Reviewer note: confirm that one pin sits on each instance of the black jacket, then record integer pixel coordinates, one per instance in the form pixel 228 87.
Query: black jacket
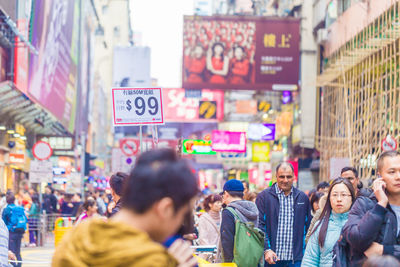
pixel 370 222
pixel 268 207
pixel 247 212
pixel 116 208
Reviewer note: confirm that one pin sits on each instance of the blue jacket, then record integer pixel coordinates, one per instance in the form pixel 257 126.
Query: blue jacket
pixel 268 206
pixel 317 256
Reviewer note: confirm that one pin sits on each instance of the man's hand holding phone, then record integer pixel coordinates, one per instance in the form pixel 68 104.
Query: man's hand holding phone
pixel 379 187
pixel 271 257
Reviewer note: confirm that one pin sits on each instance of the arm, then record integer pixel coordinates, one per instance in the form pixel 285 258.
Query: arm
pixel 260 202
pixel 363 224
pixel 312 253
pixel 227 235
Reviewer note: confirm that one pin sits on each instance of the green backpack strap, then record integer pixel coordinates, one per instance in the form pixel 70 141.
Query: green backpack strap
pixel 233 211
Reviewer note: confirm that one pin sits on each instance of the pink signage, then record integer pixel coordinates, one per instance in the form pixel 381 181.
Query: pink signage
pixel 179 108
pixel 224 141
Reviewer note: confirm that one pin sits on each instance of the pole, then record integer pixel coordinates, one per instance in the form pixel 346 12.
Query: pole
pixel 141 138
pixel 83 156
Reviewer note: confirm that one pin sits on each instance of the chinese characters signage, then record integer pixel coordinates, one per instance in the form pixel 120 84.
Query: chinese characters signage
pixel 197 147
pixel 241 53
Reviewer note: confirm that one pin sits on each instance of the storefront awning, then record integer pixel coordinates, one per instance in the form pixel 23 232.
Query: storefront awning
pixel 15 107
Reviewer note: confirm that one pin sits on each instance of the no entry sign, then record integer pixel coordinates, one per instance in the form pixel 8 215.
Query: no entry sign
pixel 389 144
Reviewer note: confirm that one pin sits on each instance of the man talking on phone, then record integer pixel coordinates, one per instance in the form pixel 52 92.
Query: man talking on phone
pixel 374 222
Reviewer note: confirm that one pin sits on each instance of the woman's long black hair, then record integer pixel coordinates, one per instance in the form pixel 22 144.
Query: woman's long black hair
pixel 326 212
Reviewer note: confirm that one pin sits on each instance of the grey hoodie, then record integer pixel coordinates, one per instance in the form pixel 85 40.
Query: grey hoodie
pixel 246 210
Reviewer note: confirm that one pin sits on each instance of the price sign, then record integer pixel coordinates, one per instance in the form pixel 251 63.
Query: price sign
pixel 137 106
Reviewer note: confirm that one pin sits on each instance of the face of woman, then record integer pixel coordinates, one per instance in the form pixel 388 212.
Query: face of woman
pixel 316 206
pixel 238 53
pixel 340 198
pixel 216 206
pixel 218 50
pixel 93 209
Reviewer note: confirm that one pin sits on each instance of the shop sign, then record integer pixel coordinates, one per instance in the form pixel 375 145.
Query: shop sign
pixel 261 152
pixel 246 107
pixel 258 131
pixel 225 141
pixel 16 158
pixel 58 142
pixel 191 146
pixel 207 110
pixel 99 163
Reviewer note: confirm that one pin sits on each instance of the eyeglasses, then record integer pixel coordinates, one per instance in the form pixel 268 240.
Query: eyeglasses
pixel 342 196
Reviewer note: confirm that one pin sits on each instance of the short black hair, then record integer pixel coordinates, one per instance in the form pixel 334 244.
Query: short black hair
pixel 387 154
pixel 315 198
pixel 159 174
pixel 236 193
pixel 322 185
pixel 284 164
pixel 245 182
pixel 10 198
pixel 354 170
pixel 117 182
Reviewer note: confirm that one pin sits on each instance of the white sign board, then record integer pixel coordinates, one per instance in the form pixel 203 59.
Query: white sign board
pixel 41 171
pixel 40 177
pixel 137 106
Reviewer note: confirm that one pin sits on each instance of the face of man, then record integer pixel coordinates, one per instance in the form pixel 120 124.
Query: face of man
pixel 285 178
pixel 352 178
pixel 390 172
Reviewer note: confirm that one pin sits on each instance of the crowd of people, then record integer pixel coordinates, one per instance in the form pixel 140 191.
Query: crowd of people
pixel 159 211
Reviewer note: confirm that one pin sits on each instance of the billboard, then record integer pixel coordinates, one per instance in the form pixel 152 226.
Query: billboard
pixel 225 141
pixel 208 106
pixel 258 131
pixel 131 66
pixel 52 73
pixel 241 53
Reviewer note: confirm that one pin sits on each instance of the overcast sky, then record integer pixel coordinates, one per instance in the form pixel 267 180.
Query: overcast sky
pixel 161 23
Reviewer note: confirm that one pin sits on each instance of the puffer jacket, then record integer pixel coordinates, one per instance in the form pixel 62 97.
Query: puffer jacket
pixel 247 212
pixel 317 256
pixel 370 222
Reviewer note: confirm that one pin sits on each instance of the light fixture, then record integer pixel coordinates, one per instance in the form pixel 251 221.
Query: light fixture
pixel 3 128
pixel 17 135
pixel 10 131
pixel 23 138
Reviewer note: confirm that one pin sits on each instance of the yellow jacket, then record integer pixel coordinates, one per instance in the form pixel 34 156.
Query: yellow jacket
pixel 109 244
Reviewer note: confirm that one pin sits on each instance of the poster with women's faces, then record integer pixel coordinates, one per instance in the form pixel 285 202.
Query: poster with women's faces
pixel 241 53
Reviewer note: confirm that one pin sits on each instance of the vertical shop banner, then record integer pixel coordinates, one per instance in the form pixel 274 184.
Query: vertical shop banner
pixel 52 73
pixel 241 53
pixel 224 141
pixel 208 107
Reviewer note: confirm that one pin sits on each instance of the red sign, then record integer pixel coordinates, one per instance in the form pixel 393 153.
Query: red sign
pixel 179 108
pixel 129 146
pixel 16 158
pixel 389 144
pixel 42 150
pixel 241 53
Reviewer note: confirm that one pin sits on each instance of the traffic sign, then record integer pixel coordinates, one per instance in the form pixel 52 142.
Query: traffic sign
pixel 42 150
pixel 41 171
pixel 129 146
pixel 389 144
pixel 137 106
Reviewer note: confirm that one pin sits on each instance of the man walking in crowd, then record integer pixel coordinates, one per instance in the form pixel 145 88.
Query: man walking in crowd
pixel 351 174
pixel 246 210
pixel 284 213
pixel 157 198
pixel 49 201
pixel 116 184
pixel 15 219
pixel 374 222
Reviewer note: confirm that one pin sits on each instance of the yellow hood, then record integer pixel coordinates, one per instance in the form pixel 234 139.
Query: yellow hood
pixel 99 243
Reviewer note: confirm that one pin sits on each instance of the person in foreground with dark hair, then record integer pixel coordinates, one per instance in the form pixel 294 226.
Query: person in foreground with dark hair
pixel 246 210
pixel 351 174
pixel 157 197
pixel 374 222
pixel 326 233
pixel 117 184
pixel 284 218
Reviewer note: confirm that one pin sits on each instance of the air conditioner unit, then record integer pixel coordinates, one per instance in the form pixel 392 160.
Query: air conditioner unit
pixel 322 36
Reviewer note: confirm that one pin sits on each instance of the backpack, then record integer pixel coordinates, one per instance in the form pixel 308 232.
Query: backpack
pixel 341 253
pixel 248 248
pixel 18 219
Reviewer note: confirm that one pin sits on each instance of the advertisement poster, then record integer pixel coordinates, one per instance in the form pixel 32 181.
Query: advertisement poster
pixel 241 53
pixel 224 141
pixel 52 73
pixel 178 107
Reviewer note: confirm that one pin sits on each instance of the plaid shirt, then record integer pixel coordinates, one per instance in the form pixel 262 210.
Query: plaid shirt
pixel 284 242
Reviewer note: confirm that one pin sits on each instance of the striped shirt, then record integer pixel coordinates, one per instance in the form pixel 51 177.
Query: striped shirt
pixel 284 238
pixel 3 244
